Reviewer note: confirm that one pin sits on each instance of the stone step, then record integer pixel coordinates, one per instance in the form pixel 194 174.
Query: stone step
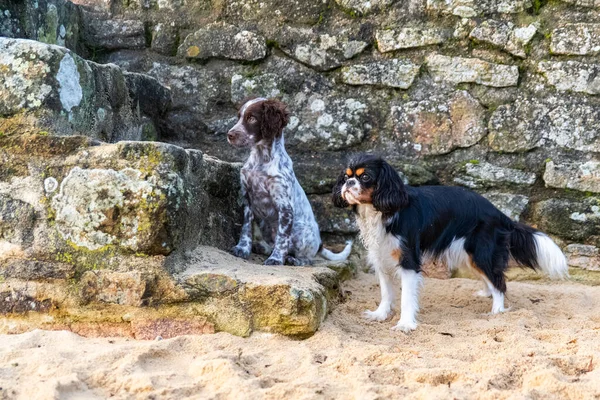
pixel 207 290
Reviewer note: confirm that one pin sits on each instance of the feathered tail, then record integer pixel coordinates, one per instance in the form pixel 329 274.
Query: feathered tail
pixel 536 250
pixel 341 256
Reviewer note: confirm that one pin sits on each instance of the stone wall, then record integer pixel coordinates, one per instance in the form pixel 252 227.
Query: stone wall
pixel 496 95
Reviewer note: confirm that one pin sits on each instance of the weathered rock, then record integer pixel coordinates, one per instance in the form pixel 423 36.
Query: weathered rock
pixel 583 256
pixel 164 39
pixel 504 35
pixel 332 219
pixel 471 70
pixel 17 220
pixel 576 39
pixel 472 8
pixel 439 124
pixel 104 33
pixel 517 127
pixel 584 3
pixel 270 12
pixel 267 84
pixel 569 122
pixel 321 51
pixel 190 113
pixel 361 7
pixel 148 95
pixel 100 207
pixel 404 38
pixel 393 73
pixel 124 288
pixel 483 174
pixel 222 40
pixel 49 21
pixel 333 122
pixel 10 26
pixel 50 89
pixel 512 205
pixel 583 176
pixel 15 266
pixel 575 220
pixel 240 297
pixel 131 198
pixel 572 76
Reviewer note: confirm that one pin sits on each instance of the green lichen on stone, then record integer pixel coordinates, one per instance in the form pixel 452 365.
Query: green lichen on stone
pixel 47 32
pixel 85 259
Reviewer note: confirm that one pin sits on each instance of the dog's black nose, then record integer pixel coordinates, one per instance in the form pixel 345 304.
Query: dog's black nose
pixel 230 136
pixel 351 182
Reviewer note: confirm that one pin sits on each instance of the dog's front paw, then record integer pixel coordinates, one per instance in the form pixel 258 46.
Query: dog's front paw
pixel 377 315
pixel 241 252
pixel 405 326
pixel 273 261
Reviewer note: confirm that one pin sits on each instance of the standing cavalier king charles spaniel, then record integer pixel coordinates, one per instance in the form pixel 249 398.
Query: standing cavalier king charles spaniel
pixel 402 225
pixel 271 192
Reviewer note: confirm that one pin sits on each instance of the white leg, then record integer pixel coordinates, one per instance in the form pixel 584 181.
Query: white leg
pixel 497 298
pixel 387 298
pixel 411 284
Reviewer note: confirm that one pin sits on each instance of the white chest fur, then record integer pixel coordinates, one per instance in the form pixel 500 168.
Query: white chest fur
pixel 384 249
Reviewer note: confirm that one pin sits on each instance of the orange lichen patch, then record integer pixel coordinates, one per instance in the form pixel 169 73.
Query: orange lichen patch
pixel 396 254
pixel 349 172
pixel 360 171
pixel 193 51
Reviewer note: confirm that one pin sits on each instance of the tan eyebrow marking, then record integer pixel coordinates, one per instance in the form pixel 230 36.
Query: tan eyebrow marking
pixel 349 172
pixel 360 171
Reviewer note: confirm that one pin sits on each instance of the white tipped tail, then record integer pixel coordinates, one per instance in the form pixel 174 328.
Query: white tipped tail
pixel 550 258
pixel 341 256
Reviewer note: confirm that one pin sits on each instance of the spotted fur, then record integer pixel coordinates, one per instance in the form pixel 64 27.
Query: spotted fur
pixel 273 198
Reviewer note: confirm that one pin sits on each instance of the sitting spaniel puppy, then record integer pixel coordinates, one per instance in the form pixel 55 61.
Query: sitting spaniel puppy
pixel 402 225
pixel 271 192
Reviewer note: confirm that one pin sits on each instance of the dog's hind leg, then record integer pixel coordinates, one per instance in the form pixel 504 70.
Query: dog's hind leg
pixel 489 257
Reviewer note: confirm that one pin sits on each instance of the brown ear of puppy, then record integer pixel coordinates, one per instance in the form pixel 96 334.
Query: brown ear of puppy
pixel 275 116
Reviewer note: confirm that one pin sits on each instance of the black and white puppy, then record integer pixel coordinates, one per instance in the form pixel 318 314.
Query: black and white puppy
pixel 401 226
pixel 271 192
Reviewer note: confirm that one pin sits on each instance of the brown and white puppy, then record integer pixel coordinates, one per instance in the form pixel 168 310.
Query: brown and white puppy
pixel 271 192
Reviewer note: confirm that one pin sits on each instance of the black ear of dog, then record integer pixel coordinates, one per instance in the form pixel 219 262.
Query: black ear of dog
pixel 275 116
pixel 389 195
pixel 337 198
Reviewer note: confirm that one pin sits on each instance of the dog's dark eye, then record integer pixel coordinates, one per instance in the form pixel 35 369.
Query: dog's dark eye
pixel 251 120
pixel 365 178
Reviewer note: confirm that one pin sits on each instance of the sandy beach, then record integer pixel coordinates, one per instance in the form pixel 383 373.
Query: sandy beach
pixel 546 346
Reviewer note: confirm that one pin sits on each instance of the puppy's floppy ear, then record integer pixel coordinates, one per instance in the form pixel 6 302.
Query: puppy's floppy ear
pixel 275 116
pixel 389 195
pixel 337 198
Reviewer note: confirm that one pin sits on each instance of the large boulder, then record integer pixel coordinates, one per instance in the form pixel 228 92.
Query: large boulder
pixel 48 88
